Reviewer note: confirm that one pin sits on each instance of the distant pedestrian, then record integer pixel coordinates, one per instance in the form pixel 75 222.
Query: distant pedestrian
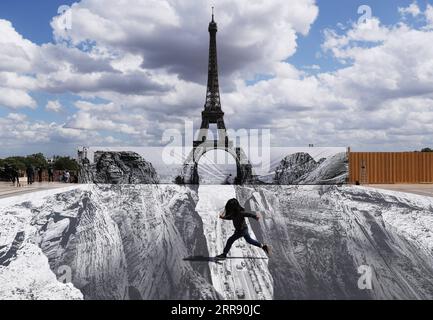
pixel 66 176
pixel 40 171
pixel 30 172
pixel 50 174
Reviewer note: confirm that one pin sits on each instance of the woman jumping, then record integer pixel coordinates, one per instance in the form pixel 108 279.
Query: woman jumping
pixel 234 211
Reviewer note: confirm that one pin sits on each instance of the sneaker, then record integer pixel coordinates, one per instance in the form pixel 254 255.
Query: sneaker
pixel 266 249
pixel 221 256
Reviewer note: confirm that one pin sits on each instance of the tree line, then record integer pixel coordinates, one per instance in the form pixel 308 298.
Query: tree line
pixel 38 160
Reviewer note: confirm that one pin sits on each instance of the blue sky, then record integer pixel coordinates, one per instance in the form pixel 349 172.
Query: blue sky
pixel 31 20
pixel 332 12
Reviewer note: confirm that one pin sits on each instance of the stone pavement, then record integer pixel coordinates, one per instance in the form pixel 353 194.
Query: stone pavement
pixel 8 190
pixel 420 189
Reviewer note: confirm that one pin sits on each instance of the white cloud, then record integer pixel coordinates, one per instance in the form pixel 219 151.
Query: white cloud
pixel 54 106
pixel 172 34
pixel 17 81
pixel 385 70
pixel 15 98
pixel 86 121
pixel 343 46
pixel 21 135
pixel 413 10
pixel 16 117
pixel 429 15
pixel 97 107
pixel 16 53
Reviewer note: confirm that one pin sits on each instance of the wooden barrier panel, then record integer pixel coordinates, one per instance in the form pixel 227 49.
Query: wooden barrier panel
pixel 390 167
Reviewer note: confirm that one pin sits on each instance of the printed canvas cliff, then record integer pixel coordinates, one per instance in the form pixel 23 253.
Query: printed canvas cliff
pixel 135 241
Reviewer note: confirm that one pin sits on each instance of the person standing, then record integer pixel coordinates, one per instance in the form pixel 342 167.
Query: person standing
pixel 50 174
pixel 40 171
pixel 30 174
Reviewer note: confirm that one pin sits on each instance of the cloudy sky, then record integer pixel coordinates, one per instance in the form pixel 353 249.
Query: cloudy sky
pixel 123 71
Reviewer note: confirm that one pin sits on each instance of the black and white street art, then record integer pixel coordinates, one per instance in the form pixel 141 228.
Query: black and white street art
pixel 157 241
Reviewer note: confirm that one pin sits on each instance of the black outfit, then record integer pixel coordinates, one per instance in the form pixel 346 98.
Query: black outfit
pixel 30 175
pixel 241 230
pixel 239 219
pixel 50 175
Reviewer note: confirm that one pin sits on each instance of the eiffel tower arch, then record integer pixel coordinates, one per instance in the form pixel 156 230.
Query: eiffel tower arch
pixel 244 172
pixel 213 114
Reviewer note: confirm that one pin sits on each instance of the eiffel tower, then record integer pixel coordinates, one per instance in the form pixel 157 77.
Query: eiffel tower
pixel 213 114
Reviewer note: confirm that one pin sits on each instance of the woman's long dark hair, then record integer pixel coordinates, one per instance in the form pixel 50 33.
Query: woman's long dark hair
pixel 233 207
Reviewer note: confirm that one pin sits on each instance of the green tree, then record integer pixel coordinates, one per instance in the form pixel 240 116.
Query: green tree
pixel 37 160
pixel 16 162
pixel 426 150
pixel 65 163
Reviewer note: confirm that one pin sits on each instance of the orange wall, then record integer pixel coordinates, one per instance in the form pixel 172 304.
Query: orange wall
pixel 392 167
